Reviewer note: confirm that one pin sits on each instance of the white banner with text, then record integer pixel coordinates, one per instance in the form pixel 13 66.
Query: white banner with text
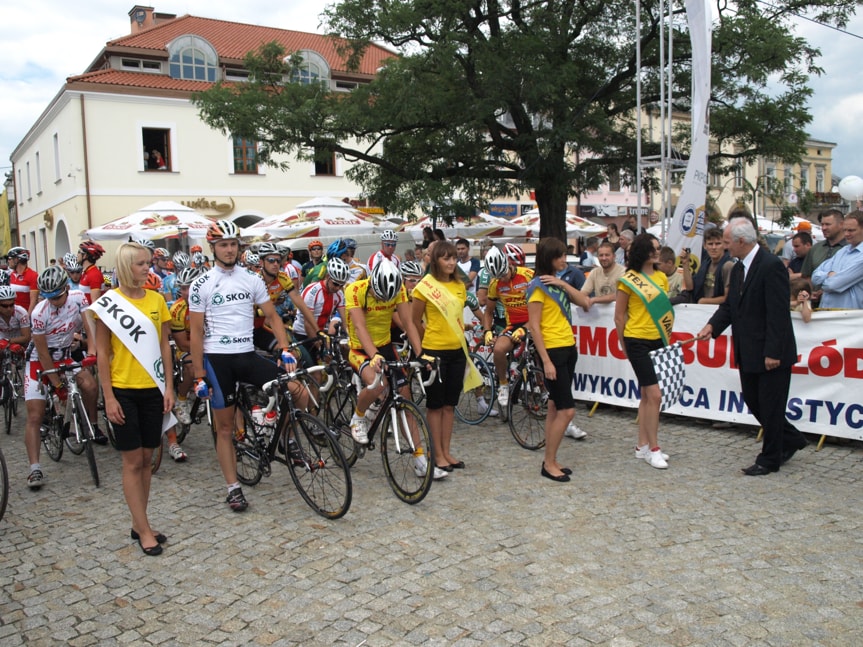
pixel 826 395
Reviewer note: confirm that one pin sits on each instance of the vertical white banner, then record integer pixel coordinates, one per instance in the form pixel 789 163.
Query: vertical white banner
pixel 687 226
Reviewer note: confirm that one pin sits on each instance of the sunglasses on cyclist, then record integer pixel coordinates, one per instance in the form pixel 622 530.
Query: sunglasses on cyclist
pixel 272 259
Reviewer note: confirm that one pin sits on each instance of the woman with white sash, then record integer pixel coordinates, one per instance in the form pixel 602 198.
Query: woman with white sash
pixel 132 332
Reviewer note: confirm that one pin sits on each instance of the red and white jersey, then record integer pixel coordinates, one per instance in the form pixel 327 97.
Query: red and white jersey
pixel 378 256
pixel 12 328
pixel 22 284
pixel 59 325
pixel 322 303
pixel 292 271
pixel 91 278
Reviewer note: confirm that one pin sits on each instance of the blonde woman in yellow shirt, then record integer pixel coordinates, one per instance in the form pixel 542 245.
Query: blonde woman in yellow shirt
pixel 550 325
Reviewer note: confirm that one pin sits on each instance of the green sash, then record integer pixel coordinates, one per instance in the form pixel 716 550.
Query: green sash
pixel 655 300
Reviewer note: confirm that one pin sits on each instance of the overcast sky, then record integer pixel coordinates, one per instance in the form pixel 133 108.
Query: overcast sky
pixel 44 41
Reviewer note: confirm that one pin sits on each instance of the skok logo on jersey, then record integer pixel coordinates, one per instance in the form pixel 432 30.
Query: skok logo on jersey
pixel 233 297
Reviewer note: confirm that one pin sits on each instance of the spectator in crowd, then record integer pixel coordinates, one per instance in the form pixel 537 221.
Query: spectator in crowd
pixel 709 286
pixel 601 283
pixel 801 242
pixel 631 224
pixel 410 255
pixel 840 278
pixel 834 239
pixel 588 256
pixel 763 339
pixel 623 243
pixel 439 235
pixel 612 235
pixel 668 265
pixel 428 237
pixel 789 253
pixel 801 298
pixel 466 263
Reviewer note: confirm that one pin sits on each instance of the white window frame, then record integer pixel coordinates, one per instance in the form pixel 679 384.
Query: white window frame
pixel 171 127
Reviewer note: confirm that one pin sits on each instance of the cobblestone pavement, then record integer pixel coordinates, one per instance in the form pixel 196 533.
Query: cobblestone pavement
pixel 624 555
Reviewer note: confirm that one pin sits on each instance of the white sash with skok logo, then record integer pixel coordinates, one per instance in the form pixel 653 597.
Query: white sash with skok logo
pixel 138 334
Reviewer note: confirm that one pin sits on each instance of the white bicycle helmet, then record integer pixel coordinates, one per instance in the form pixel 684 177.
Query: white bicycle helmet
pixel 52 281
pixel 496 263
pixel 389 236
pixel 6 293
pixel 145 242
pixel 222 230
pixel 181 260
pixel 69 258
pixel 266 249
pixel 73 266
pixel 386 280
pixel 412 269
pixel 250 259
pixel 187 275
pixel 338 271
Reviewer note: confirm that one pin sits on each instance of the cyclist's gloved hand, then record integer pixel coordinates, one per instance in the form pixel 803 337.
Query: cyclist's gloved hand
pixel 488 338
pixel 288 360
pixel 517 335
pixel 62 393
pixel 4 344
pixel 202 389
pixel 376 361
pixel 16 349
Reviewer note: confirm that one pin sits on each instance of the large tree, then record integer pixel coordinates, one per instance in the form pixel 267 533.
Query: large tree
pixel 491 98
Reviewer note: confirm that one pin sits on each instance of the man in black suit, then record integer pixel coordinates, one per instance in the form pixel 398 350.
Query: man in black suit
pixel 759 315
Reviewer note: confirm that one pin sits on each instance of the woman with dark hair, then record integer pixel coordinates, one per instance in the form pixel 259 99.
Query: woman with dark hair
pixel 612 235
pixel 550 325
pixel 428 237
pixel 644 317
pixel 437 312
pixel 438 234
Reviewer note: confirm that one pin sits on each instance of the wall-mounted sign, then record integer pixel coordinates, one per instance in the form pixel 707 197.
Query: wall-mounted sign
pixel 207 207
pixel 503 210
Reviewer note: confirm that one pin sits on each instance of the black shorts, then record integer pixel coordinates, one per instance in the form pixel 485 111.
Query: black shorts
pixel 143 411
pixel 224 371
pixel 560 389
pixel 446 388
pixel 359 360
pixel 638 352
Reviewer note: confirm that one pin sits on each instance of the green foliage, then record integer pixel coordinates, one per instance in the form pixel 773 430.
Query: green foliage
pixel 496 97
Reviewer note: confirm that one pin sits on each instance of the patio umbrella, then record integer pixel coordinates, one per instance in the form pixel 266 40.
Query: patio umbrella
pixel 482 225
pixel 318 217
pixel 158 220
pixel 576 226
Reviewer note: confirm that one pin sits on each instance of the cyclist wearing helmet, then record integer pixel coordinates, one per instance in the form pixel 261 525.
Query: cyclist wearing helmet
pixel 326 302
pixel 221 324
pixel 483 280
pixel 370 305
pixel 73 270
pixel 144 242
pixel 22 279
pixel 389 238
pixel 437 312
pixel 336 249
pixel 283 295
pixel 92 279
pixel 316 256
pixel 14 322
pixel 358 269
pixel 509 287
pixel 54 322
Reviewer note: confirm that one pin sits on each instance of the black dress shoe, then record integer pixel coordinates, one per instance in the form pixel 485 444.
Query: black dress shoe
pixel 445 468
pixel 457 466
pixel 788 452
pixel 566 470
pixel 159 536
pixel 758 470
pixel 563 478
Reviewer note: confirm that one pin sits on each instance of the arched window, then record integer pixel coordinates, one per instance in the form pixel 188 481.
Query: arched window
pixel 193 58
pixel 314 69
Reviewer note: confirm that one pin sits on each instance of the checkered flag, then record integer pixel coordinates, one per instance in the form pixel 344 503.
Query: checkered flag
pixel 670 371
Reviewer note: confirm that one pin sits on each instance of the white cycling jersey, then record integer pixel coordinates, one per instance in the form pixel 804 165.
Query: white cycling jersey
pixel 322 303
pixel 59 325
pixel 227 298
pixel 12 328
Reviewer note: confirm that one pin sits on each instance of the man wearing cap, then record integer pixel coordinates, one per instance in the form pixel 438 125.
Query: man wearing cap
pixel 802 243
pixel 788 251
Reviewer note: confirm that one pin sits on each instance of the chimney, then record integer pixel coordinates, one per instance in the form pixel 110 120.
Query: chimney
pixel 141 18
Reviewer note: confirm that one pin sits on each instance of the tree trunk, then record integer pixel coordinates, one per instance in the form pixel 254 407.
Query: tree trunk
pixel 551 200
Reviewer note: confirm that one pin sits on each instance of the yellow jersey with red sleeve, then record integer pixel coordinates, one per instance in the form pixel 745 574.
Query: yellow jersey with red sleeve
pixel 278 290
pixel 439 334
pixel 180 316
pixel 379 314
pixel 512 293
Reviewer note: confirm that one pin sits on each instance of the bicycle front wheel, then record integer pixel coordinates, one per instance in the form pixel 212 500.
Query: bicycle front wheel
pixel 8 411
pixel 4 485
pixel 404 433
pixel 91 461
pixel 318 468
pixel 528 408
pixel 52 434
pixel 339 406
pixel 476 405
pixel 78 431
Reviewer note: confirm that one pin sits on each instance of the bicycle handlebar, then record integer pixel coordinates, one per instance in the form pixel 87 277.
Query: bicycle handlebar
pixel 87 362
pixel 410 364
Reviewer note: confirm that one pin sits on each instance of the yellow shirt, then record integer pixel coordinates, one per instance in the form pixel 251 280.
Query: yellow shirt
pixel 180 316
pixel 512 294
pixel 556 330
pixel 126 370
pixel 640 324
pixel 379 314
pixel 439 335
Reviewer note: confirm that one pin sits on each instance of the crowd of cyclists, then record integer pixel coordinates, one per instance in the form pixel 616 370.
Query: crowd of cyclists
pixel 234 315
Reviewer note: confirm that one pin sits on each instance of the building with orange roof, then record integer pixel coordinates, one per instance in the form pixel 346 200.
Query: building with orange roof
pixel 124 134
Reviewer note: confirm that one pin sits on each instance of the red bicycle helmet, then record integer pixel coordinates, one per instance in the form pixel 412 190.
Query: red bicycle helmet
pixel 514 253
pixel 93 251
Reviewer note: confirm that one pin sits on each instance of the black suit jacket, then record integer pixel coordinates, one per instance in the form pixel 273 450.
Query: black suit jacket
pixel 759 313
